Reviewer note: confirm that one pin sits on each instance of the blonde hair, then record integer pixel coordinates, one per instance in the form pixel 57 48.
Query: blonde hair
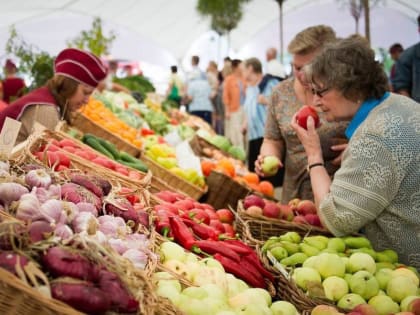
pixel 62 88
pixel 311 39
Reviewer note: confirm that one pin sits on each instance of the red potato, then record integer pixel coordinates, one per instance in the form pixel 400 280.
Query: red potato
pixel 62 263
pixel 303 114
pixel 82 296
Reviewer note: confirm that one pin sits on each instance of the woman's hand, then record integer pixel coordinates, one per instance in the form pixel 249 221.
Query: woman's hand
pixel 309 139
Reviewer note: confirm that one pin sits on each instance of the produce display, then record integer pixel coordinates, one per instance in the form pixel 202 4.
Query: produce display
pixel 347 271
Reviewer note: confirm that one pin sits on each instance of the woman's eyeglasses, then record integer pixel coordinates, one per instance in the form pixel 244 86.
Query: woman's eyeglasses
pixel 320 92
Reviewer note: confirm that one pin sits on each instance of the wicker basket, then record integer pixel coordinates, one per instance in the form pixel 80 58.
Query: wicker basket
pixel 255 230
pixel 173 180
pixel 223 191
pixel 86 125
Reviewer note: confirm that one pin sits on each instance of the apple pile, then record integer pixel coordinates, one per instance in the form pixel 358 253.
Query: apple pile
pixel 347 271
pixel 172 203
pixel 214 290
pixel 297 211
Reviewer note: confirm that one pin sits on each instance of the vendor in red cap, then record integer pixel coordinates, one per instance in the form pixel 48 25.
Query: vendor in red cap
pixel 13 86
pixel 76 75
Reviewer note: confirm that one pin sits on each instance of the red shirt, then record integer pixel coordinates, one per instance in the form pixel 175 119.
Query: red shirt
pixel 12 89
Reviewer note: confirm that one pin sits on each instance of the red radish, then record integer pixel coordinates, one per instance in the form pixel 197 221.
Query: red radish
pixel 10 260
pixel 54 142
pixel 303 114
pixel 135 175
pixel 53 159
pixel 76 193
pixel 122 170
pixel 121 300
pixel 52 147
pixel 105 162
pixel 86 182
pixel 70 149
pixel 82 296
pixel 82 154
pixel 64 159
pixel 62 262
pixel 67 143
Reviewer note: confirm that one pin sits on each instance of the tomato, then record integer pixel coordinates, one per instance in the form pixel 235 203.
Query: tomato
pixel 304 113
pixel 67 143
pixel 64 159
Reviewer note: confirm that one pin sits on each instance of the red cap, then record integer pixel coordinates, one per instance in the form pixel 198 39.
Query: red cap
pixel 81 66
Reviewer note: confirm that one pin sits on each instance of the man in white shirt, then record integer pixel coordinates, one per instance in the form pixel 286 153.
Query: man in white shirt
pixel 274 67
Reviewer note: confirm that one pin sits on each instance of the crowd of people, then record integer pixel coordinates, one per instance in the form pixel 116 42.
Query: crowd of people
pixel 361 166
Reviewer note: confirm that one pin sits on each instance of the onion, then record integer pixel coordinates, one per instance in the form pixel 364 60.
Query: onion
pixel 5 166
pixel 71 210
pixel 11 192
pixel 112 226
pixel 53 211
pixel 40 230
pixel 85 222
pixel 138 241
pixel 38 178
pixel 28 208
pixel 119 245
pixel 138 258
pixel 63 231
pixel 87 207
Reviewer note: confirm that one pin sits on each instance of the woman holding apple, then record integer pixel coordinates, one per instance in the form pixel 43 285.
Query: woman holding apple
pixel 377 187
pixel 289 96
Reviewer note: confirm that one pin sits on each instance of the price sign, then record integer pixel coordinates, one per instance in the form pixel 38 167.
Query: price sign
pixel 8 136
pixel 277 265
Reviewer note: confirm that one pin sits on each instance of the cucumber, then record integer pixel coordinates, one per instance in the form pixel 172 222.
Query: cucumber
pixel 127 157
pixel 94 143
pixel 138 165
pixel 87 136
pixel 110 147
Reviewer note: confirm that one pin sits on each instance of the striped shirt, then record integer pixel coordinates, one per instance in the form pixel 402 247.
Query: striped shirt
pixel 256 113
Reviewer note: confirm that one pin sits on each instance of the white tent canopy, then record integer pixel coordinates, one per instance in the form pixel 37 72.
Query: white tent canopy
pixel 166 32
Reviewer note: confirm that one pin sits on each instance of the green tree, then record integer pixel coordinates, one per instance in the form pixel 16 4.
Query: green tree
pixel 94 40
pixel 32 61
pixel 225 15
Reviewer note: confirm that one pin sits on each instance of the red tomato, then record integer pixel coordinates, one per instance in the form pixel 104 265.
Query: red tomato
pixel 304 113
pixel 67 143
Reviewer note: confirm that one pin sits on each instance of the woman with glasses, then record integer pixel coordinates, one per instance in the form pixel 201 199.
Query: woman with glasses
pixel 377 187
pixel 287 98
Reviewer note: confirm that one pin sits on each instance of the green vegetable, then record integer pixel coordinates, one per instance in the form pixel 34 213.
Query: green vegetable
pixel 128 157
pixel 139 165
pixel 110 147
pixel 95 144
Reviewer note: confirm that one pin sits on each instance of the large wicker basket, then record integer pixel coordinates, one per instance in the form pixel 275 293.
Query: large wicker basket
pixel 255 230
pixel 86 125
pixel 223 191
pixel 173 180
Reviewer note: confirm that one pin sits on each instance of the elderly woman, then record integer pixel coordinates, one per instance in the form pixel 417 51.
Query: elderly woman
pixel 76 74
pixel 377 187
pixel 287 98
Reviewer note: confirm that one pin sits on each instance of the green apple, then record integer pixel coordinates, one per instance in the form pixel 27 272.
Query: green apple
pixel 408 273
pixel 193 268
pixel 364 284
pixel 235 285
pixel 283 308
pixel 330 265
pixel 350 301
pixel 387 255
pixel 253 309
pixel 337 244
pixel 174 283
pixel 249 296
pixel 347 277
pixel 310 262
pixel 192 306
pixel 211 262
pixel 171 251
pixel 162 275
pixel 195 293
pixel 279 253
pixel 381 292
pixel 382 265
pixel 177 266
pixel 400 287
pixel 206 275
pixel 170 292
pixel 270 165
pixel 406 301
pixel 214 291
pixel 191 257
pixel 335 288
pixel 291 237
pixel 384 305
pixel 215 305
pixel 361 261
pixel 383 276
pixel 304 275
pixel 226 313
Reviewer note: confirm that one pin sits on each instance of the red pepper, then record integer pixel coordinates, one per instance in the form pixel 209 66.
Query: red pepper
pixel 252 270
pixel 241 250
pixel 255 261
pixel 203 231
pixel 214 247
pixel 181 232
pixel 236 269
pixel 162 223
pixel 146 132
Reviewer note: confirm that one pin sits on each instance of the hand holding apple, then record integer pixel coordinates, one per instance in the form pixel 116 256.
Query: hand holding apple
pixel 270 165
pixel 303 114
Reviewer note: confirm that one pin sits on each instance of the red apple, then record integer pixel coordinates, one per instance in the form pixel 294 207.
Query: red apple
pixel 303 114
pixel 253 200
pixel 212 214
pixel 286 212
pixel 199 215
pixel 414 306
pixel 365 309
pixel 271 210
pixel 217 225
pixel 229 231
pixel 225 216
pixel 293 203
pixel 300 219
pixel 313 219
pixel 306 207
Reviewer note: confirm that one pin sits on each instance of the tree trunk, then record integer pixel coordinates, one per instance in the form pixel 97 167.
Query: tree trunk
pixel 367 19
pixel 281 30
